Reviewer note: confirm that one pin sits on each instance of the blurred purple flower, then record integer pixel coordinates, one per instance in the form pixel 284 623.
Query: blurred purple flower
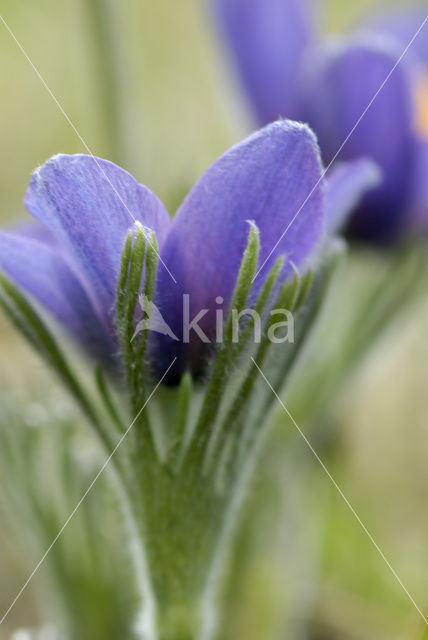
pixel 286 73
pixel 70 262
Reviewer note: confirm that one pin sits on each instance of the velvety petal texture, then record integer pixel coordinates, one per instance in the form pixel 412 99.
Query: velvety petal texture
pixel 69 259
pixel 40 271
pixel 341 81
pixel 34 230
pixel 272 179
pixel 267 39
pixel 88 205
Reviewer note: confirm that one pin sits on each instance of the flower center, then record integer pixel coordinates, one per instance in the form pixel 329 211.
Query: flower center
pixel 421 96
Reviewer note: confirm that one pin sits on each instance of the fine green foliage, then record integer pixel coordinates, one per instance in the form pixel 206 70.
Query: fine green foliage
pixel 137 277
pixel 34 329
pixel 181 461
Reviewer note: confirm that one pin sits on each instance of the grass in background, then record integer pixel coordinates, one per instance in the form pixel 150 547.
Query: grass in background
pixel 180 112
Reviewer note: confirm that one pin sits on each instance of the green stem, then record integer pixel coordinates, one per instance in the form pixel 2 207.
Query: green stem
pixel 182 519
pixel 107 69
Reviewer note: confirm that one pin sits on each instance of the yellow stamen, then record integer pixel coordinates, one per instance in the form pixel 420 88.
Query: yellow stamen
pixel 421 96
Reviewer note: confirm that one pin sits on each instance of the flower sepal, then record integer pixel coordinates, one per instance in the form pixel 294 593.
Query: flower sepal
pixel 194 445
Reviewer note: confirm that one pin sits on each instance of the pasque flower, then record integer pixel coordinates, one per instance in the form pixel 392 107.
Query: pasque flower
pixel 287 72
pixel 69 261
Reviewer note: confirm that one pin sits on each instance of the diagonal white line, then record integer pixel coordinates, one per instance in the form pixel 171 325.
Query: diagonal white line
pixel 343 496
pixel 321 178
pixel 70 122
pixel 82 499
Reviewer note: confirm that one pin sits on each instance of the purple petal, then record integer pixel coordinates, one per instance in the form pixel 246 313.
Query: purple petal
pixel 345 186
pixel 33 230
pixel 340 84
pixel 89 205
pixel 37 269
pixel 272 179
pixel 417 208
pixel 404 23
pixel 267 39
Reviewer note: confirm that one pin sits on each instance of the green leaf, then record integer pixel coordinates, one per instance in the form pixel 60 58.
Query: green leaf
pixel 236 423
pixel 149 292
pixel 182 421
pixel 137 282
pixel 106 396
pixel 219 377
pixel 34 329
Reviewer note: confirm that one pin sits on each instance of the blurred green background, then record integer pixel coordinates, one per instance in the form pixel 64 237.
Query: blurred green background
pixel 179 109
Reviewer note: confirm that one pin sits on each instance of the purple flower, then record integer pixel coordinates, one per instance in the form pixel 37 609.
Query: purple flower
pixel 70 261
pixel 330 86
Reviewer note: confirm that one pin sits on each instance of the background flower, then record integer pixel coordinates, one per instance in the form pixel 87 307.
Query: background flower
pixel 332 86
